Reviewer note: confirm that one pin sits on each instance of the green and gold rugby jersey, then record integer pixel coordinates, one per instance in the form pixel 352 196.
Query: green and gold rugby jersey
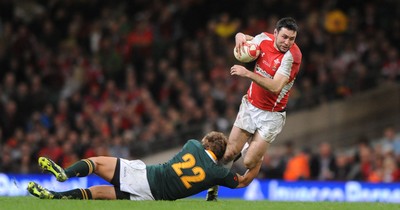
pixel 189 172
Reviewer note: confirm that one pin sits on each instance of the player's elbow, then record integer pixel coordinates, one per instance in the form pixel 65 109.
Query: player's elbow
pixel 277 84
pixel 276 92
pixel 275 89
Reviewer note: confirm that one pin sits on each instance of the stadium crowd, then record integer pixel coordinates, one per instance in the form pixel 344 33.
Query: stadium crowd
pixel 131 78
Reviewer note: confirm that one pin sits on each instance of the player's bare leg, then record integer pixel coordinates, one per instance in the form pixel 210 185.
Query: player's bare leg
pixel 237 140
pixel 103 192
pixel 256 151
pixel 104 166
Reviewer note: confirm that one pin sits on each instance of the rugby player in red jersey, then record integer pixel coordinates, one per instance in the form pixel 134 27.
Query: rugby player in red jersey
pixel 262 113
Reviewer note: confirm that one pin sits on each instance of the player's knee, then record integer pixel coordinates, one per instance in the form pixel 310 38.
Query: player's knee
pixel 97 160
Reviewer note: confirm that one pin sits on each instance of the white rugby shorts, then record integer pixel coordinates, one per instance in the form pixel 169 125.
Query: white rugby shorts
pixel 267 124
pixel 133 178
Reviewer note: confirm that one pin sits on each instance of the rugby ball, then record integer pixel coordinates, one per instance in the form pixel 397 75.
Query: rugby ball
pixel 249 52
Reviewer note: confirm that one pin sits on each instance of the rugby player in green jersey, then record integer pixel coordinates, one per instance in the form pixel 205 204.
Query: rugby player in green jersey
pixel 194 169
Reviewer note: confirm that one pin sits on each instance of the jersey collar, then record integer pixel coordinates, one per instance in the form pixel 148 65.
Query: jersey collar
pixel 212 155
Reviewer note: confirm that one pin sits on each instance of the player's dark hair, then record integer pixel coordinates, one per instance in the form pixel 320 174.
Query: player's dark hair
pixel 216 142
pixel 287 22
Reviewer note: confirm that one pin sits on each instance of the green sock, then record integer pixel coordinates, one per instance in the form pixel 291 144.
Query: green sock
pixel 82 194
pixel 80 169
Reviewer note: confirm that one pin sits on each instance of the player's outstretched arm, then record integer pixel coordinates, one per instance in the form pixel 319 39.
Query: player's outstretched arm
pixel 248 177
pixel 273 85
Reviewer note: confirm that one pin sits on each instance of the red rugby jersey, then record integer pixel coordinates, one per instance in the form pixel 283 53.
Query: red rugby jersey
pixel 270 62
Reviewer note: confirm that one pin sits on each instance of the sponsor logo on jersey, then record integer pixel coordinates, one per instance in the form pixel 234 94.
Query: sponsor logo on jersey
pixel 262 72
pixel 276 64
pixel 265 62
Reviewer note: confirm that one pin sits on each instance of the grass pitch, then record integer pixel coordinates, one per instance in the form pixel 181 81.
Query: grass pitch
pixel 32 203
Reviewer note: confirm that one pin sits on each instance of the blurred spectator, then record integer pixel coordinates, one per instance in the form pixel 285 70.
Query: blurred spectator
pixel 375 173
pixel 362 143
pixel 323 164
pixel 9 85
pixel 274 166
pixel 336 21
pixel 51 149
pixel 9 119
pixel 390 170
pixel 391 66
pixel 118 148
pixel 364 168
pixel 342 167
pixel 8 162
pixel 298 167
pixel 390 142
pixel 69 155
pixel 225 27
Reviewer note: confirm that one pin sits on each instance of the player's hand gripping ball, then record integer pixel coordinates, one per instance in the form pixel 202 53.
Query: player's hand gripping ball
pixel 249 52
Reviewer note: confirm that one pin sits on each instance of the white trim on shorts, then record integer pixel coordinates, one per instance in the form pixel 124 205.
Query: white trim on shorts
pixel 133 179
pixel 267 124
